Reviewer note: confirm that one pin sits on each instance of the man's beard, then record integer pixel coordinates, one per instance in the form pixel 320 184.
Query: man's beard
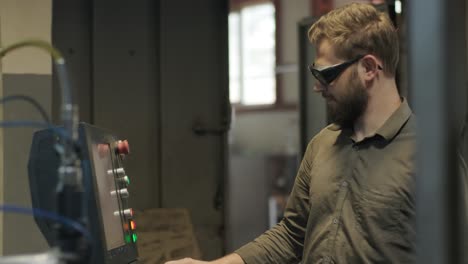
pixel 345 109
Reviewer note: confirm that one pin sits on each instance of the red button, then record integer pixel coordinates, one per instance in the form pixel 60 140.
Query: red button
pixel 123 147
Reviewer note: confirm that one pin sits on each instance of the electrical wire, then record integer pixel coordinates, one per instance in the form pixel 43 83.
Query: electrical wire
pixel 30 100
pixel 36 124
pixel 23 123
pixel 56 55
pixel 30 123
pixel 69 111
pixel 47 215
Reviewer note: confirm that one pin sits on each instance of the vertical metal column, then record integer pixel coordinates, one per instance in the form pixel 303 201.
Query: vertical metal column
pixel 437 68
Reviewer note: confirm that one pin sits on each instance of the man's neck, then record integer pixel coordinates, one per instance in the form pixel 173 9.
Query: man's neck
pixel 383 102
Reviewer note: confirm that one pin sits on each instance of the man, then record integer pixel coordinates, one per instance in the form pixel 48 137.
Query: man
pixel 353 199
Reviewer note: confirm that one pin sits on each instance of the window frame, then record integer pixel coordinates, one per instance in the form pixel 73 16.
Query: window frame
pixel 279 104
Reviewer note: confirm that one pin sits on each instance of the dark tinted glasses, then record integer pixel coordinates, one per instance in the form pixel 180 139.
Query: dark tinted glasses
pixel 327 75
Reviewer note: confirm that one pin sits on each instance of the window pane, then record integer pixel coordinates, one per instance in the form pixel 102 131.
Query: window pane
pixel 259 91
pixel 234 57
pixel 234 90
pixel 258 54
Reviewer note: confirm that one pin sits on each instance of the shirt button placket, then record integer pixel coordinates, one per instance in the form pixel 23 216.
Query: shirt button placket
pixel 335 220
pixel 344 184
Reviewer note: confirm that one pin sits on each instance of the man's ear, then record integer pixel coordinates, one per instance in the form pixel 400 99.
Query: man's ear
pixel 371 66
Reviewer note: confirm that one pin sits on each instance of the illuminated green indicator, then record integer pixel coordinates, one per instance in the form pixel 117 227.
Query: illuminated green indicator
pixel 128 239
pixel 134 237
pixel 127 179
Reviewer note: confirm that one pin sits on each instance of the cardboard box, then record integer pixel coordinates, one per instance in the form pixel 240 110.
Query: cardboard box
pixel 165 234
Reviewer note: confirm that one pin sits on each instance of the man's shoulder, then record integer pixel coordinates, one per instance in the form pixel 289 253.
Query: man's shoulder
pixel 332 131
pixel 326 136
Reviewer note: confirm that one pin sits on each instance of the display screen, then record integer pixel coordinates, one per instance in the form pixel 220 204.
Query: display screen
pixel 108 200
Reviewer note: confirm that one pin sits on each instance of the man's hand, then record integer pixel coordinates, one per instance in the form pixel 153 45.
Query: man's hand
pixel 186 261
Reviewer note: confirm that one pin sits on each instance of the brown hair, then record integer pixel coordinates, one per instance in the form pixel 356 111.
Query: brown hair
pixel 359 29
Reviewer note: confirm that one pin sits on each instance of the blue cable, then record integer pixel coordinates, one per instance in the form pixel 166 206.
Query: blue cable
pixel 24 123
pixel 29 100
pixel 38 124
pixel 47 215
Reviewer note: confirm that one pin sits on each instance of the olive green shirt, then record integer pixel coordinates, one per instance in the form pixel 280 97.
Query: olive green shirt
pixel 352 202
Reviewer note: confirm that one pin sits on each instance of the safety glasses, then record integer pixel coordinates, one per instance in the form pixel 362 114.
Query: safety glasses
pixel 326 75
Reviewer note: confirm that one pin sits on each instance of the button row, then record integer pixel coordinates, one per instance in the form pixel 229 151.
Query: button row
pixel 122 148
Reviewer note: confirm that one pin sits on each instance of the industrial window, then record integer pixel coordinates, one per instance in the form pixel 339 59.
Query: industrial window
pixel 252 55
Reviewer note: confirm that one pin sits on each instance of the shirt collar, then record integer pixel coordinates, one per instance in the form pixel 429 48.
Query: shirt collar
pixel 393 124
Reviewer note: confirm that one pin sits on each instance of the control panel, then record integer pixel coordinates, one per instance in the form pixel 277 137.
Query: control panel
pixel 107 188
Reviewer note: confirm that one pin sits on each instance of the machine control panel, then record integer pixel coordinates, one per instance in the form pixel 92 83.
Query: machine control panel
pixel 106 182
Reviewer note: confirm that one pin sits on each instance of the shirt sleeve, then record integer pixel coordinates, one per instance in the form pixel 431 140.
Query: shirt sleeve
pixel 284 243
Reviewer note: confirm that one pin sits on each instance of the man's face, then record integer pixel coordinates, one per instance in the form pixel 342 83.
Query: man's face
pixel 347 106
pixel 346 96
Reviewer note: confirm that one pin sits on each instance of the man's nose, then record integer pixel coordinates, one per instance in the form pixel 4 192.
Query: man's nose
pixel 318 87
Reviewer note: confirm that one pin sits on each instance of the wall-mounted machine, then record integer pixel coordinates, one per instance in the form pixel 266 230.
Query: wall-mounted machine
pixel 110 220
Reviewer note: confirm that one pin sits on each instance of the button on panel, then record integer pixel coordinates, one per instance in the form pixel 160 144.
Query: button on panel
pixel 119 171
pixel 122 192
pixel 128 213
pixel 122 147
pixel 125 180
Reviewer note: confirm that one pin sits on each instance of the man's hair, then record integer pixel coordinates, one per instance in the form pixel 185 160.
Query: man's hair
pixel 359 29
